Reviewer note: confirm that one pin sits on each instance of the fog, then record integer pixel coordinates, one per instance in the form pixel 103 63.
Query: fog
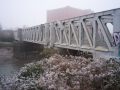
pixel 19 13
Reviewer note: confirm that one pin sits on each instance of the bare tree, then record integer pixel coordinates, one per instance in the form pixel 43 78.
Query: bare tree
pixel 0 31
pixel 0 27
pixel 24 26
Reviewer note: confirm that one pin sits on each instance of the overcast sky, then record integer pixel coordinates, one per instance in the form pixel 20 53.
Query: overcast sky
pixel 16 13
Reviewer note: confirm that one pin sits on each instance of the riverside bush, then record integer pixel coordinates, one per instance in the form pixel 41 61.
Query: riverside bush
pixel 67 73
pixel 31 70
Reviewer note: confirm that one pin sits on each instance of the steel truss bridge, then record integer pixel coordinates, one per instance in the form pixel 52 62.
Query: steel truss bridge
pixel 87 33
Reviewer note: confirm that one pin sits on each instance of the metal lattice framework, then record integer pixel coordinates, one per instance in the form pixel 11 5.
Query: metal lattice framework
pixel 34 34
pixel 89 32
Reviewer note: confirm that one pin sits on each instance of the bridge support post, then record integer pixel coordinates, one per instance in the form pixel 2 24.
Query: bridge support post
pixel 116 32
pixel 95 55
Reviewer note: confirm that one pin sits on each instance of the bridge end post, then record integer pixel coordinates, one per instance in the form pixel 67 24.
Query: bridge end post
pixel 20 34
pixel 116 32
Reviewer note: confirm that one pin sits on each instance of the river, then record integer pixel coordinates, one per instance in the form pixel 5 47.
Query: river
pixel 10 65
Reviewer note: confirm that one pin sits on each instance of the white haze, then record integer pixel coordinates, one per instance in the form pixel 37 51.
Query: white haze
pixel 19 13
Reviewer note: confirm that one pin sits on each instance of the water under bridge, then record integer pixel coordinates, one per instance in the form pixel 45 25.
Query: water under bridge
pixel 86 33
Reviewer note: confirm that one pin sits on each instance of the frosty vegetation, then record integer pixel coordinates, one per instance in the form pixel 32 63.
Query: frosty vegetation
pixel 66 73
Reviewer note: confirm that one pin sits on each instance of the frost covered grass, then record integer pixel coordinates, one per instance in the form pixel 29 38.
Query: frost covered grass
pixel 66 73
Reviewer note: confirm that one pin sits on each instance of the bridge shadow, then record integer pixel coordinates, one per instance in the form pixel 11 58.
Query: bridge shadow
pixel 27 50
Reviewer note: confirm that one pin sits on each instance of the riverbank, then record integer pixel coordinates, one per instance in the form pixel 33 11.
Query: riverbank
pixel 9 65
pixel 7 59
pixel 6 51
pixel 6 44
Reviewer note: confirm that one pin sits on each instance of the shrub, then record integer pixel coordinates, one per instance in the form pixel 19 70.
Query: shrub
pixel 68 73
pixel 31 70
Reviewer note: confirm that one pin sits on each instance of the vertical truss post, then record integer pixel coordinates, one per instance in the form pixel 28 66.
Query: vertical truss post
pixel 25 34
pixel 61 36
pixel 52 35
pixel 47 36
pixel 22 34
pixel 36 31
pixel 61 31
pixel 30 34
pixel 81 34
pixel 33 34
pixel 40 32
pixel 95 28
pixel 70 34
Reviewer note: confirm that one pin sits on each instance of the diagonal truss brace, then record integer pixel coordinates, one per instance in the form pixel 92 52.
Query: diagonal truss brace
pixel 57 33
pixel 74 32
pixel 104 34
pixel 87 33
